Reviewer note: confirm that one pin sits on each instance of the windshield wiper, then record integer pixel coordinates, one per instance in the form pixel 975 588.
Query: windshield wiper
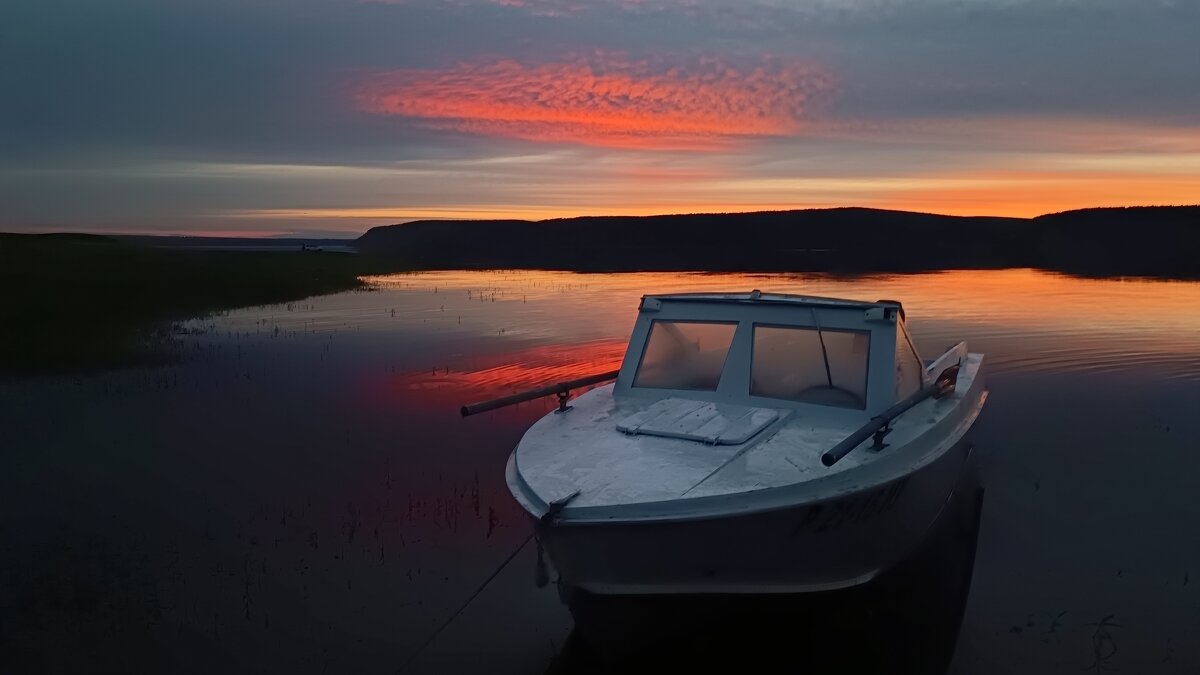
pixel 824 353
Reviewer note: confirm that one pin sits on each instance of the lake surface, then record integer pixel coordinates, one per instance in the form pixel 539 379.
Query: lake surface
pixel 299 493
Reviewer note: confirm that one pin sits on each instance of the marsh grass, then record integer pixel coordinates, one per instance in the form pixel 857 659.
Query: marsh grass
pixel 72 302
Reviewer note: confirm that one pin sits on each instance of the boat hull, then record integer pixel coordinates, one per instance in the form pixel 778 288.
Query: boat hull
pixel 912 612
pixel 807 547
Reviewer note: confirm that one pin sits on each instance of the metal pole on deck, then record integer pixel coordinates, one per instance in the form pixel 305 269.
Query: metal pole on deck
pixel 943 386
pixel 562 390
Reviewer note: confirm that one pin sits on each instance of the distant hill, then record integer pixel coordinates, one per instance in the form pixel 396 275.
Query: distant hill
pixel 1136 240
pixel 1144 240
pixel 241 243
pixel 56 238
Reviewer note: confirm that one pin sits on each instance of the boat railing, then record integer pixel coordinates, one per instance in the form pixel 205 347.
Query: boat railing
pixel 954 354
pixel 562 390
pixel 880 425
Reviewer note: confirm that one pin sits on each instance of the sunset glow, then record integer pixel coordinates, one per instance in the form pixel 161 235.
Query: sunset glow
pixel 341 115
pixel 1024 301
pixel 608 101
pixel 1013 193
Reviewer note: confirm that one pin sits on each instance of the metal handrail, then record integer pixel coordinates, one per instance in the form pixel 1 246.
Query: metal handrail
pixel 562 390
pixel 878 426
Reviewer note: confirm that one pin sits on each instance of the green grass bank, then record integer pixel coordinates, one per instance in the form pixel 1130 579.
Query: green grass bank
pixel 75 302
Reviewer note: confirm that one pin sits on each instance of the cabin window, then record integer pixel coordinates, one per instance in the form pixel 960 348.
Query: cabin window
pixel 685 355
pixel 909 370
pixel 825 366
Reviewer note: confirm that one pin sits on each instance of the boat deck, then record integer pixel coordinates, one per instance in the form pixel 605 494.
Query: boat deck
pixel 583 450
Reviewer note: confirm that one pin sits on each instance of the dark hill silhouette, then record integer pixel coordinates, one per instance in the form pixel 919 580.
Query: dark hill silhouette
pixel 1145 240
pixel 1136 240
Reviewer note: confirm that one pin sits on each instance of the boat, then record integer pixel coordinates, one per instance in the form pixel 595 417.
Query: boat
pixel 750 443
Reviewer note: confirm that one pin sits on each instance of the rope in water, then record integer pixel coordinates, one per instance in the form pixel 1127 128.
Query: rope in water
pixel 446 624
pixel 555 507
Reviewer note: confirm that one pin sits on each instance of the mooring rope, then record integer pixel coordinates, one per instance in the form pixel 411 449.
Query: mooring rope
pixel 551 514
pixel 446 624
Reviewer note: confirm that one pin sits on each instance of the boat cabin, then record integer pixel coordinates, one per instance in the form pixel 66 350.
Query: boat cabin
pixel 729 396
pixel 844 360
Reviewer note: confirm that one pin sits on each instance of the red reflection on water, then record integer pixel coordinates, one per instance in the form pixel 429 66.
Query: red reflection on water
pixel 494 375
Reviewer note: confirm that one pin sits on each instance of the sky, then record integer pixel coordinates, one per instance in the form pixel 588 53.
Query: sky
pixel 313 117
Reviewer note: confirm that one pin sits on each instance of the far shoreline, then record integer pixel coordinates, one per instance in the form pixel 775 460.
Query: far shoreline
pixel 82 302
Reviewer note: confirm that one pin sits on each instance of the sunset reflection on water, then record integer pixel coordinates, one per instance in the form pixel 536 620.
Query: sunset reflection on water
pixel 502 374
pixel 1024 319
pixel 305 467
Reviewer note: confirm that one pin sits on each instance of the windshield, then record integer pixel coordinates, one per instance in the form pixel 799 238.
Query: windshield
pixel 685 355
pixel 810 365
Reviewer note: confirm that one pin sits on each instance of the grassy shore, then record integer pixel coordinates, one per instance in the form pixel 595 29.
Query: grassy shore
pixel 79 302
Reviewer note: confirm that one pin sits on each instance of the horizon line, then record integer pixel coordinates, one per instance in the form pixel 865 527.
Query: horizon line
pixel 350 236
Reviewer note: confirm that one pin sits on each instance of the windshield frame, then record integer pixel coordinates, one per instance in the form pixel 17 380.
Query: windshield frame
pixel 734 385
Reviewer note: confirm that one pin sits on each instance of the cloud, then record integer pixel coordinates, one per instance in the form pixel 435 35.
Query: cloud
pixel 535 7
pixel 605 100
pixel 209 115
pixel 749 9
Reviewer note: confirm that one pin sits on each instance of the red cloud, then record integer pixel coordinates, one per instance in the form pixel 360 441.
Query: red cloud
pixel 604 100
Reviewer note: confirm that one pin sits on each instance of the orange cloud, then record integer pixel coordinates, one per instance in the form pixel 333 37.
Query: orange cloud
pixel 604 101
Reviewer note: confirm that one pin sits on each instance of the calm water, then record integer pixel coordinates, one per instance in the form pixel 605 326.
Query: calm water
pixel 300 495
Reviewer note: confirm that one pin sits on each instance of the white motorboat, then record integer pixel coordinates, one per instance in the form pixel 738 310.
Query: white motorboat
pixel 751 443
